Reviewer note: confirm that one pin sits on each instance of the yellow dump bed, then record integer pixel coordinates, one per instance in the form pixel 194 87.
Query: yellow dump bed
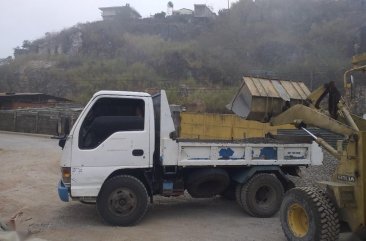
pixel 207 126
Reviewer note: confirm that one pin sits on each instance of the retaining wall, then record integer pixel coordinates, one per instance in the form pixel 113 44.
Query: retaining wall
pixel 38 121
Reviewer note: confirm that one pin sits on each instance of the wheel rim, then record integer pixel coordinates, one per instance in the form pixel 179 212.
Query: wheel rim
pixel 264 195
pixel 298 220
pixel 122 202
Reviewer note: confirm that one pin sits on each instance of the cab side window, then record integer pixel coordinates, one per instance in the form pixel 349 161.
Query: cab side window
pixel 108 116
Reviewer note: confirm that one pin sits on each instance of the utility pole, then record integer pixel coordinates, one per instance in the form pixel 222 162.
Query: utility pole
pixel 228 4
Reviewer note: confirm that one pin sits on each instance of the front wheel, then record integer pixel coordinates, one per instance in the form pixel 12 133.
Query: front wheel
pixel 122 201
pixel 307 214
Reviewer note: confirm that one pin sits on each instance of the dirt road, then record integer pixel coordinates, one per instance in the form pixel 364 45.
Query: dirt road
pixel 28 179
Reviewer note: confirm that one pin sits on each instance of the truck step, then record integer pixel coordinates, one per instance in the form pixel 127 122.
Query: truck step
pixel 170 170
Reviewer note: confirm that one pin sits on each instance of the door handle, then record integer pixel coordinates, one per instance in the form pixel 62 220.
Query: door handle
pixel 138 152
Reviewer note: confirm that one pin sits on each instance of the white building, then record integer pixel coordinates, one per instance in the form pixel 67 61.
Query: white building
pixel 110 13
pixel 183 11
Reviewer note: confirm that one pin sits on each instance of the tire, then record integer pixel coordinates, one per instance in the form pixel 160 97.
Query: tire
pixel 207 183
pixel 261 196
pixel 122 201
pixel 307 214
pixel 237 193
pixel 239 201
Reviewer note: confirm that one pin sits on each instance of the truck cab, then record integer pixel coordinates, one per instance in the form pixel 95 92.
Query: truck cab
pixel 113 132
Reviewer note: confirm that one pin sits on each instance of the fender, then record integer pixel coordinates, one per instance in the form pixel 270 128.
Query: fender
pixel 242 176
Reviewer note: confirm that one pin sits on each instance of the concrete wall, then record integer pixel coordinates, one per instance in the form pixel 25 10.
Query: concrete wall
pixel 39 121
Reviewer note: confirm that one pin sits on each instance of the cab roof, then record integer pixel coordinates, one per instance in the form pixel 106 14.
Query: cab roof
pixel 121 93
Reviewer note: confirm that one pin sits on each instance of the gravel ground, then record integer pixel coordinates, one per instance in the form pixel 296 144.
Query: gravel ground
pixel 309 176
pixel 29 175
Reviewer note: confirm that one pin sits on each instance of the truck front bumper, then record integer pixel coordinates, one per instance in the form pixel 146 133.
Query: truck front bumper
pixel 63 191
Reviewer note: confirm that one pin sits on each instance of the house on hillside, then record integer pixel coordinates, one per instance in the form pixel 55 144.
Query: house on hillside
pixel 9 101
pixel 203 11
pixel 183 11
pixel 124 12
pixel 200 12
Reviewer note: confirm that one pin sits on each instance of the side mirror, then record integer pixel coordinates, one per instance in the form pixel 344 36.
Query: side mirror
pixel 173 135
pixel 62 142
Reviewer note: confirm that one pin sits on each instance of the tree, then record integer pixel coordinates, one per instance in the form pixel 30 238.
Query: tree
pixel 26 44
pixel 160 15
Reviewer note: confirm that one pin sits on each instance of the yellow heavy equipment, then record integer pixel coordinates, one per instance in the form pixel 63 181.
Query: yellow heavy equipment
pixel 318 213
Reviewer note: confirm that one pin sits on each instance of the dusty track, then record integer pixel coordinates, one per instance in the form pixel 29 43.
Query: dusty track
pixel 28 179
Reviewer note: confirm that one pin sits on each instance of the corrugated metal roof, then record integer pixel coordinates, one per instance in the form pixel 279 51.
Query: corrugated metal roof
pixel 16 95
pixel 277 88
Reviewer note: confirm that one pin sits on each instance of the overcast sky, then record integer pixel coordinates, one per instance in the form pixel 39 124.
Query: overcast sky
pixel 30 19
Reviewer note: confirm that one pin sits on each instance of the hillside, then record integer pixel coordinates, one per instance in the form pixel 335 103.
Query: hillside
pixel 199 62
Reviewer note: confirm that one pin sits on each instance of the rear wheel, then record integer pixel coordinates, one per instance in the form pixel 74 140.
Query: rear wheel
pixel 261 196
pixel 123 201
pixel 238 189
pixel 307 214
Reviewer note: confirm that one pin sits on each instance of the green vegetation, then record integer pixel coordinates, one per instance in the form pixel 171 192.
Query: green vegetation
pixel 200 63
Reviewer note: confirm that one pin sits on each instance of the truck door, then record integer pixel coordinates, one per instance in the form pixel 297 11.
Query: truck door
pixel 114 134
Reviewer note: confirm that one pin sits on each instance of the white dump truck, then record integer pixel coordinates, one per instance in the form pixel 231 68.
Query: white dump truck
pixel 125 148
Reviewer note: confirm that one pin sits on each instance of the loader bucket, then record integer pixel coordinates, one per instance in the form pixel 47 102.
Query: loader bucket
pixel 260 99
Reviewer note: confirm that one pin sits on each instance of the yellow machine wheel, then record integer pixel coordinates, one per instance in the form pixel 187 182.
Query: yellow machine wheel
pixel 307 214
pixel 298 220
